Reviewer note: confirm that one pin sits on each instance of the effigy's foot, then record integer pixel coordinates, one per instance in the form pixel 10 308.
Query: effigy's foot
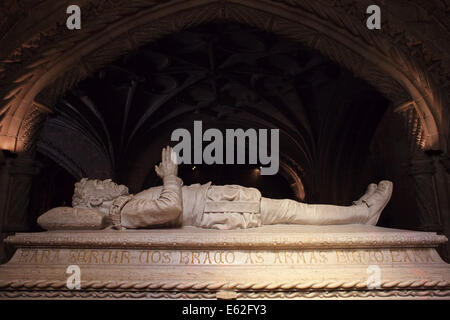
pixel 369 191
pixel 378 200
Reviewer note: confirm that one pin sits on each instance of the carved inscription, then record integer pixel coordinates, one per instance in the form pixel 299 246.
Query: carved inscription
pixel 221 257
pixel 384 256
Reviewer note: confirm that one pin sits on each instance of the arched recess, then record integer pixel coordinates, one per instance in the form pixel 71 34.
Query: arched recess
pixel 289 172
pixel 126 25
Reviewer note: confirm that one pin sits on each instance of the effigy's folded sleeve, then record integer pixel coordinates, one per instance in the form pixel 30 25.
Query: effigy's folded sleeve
pixel 141 212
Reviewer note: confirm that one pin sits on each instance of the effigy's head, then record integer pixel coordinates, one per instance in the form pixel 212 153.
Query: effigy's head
pixel 97 194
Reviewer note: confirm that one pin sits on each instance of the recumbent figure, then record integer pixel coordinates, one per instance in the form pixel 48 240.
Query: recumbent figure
pixel 99 204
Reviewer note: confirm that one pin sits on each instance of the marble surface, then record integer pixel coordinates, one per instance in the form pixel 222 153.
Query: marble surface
pixel 286 262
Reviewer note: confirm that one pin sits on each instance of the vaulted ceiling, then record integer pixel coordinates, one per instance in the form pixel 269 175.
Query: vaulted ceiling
pixel 114 123
pixel 40 59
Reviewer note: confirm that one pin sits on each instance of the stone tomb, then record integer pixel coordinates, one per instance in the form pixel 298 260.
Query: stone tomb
pixel 281 261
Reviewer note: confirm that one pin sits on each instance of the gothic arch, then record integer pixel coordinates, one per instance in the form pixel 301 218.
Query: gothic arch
pixel 378 58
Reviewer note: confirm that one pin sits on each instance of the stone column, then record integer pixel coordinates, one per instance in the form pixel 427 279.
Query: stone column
pixel 431 194
pixel 3 200
pixel 442 164
pixel 16 176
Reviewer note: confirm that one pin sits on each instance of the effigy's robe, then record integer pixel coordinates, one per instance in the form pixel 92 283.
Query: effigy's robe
pixel 214 207
pixel 207 206
pixel 223 207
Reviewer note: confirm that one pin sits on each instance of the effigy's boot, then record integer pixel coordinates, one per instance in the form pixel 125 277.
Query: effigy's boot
pixel 366 210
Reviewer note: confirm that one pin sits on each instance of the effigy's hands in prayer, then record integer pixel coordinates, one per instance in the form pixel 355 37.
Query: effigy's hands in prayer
pixel 168 165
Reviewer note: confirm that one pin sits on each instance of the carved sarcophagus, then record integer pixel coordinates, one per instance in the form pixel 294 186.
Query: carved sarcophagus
pixel 289 261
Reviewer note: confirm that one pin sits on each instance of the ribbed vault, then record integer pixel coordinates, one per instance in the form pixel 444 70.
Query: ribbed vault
pixel 114 123
pixel 399 65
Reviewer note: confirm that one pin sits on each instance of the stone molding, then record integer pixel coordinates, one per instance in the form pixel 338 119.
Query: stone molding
pixel 229 240
pixel 354 294
pixel 218 286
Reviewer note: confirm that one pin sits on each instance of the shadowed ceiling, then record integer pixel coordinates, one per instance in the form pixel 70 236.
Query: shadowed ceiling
pixel 114 123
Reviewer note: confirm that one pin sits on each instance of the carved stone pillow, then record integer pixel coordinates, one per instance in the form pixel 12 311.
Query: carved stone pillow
pixel 67 218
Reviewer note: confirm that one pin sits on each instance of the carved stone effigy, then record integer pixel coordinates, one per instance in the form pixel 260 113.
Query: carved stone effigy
pixel 279 261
